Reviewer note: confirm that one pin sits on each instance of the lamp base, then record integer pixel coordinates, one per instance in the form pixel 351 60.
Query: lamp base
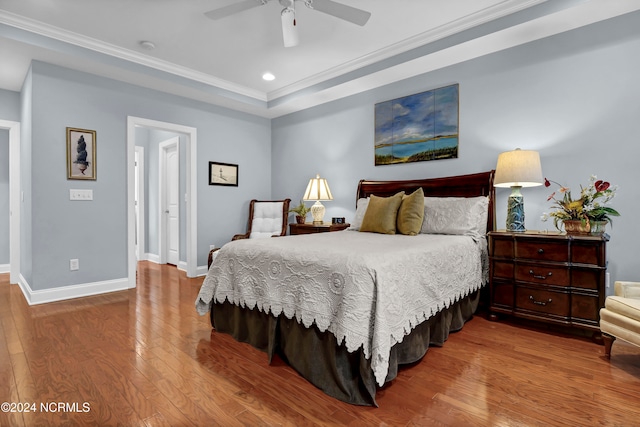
pixel 317 211
pixel 515 211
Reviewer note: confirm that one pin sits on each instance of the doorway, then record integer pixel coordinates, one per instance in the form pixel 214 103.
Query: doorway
pixel 14 198
pixel 190 136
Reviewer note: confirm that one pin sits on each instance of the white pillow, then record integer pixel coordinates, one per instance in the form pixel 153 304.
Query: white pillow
pixel 465 216
pixel 361 209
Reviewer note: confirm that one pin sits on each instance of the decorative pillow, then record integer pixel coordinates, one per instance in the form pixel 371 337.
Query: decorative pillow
pixel 456 215
pixel 361 208
pixel 411 213
pixel 381 214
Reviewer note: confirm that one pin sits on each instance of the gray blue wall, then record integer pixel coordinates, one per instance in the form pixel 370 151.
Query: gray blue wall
pixel 95 232
pixel 573 97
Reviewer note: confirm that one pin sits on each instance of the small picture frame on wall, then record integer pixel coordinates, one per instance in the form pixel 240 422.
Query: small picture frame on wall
pixel 81 154
pixel 223 174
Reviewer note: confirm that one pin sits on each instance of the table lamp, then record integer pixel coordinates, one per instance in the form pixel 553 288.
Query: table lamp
pixel 317 190
pixel 517 169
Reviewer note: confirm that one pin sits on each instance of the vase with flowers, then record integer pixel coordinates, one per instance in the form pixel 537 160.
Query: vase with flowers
pixel 589 213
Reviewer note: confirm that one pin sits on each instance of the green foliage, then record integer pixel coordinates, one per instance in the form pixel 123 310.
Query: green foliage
pixel 301 210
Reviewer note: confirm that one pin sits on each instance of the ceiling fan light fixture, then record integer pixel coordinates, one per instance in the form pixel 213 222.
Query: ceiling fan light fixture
pixel 289 29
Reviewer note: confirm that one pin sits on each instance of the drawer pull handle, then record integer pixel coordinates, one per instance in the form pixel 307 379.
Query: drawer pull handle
pixel 542 303
pixel 541 251
pixel 538 276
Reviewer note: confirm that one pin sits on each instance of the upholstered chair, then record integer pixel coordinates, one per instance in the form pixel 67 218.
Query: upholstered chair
pixel 267 218
pixel 620 317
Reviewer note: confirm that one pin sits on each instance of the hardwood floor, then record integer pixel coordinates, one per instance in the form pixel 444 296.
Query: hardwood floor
pixel 145 357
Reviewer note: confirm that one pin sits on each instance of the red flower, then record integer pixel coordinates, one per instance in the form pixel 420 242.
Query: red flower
pixel 601 186
pixel 547 183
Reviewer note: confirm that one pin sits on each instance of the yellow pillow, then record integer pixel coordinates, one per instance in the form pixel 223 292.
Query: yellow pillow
pixel 411 213
pixel 381 214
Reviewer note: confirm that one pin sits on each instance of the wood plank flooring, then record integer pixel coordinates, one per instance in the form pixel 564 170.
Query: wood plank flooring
pixel 144 357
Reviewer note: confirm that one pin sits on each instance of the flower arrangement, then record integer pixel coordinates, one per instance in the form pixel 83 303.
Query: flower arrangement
pixel 591 206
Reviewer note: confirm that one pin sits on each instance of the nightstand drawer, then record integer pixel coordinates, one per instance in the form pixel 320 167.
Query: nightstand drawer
pixel 545 251
pixel 588 253
pixel 502 294
pixel 587 278
pixel 542 301
pixel 543 274
pixel 502 269
pixel 502 248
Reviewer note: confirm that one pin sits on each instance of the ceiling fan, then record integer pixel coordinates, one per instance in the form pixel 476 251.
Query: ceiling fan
pixel 288 14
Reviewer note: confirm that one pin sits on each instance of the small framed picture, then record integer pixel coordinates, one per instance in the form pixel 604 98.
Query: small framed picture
pixel 81 154
pixel 223 174
pixel 337 220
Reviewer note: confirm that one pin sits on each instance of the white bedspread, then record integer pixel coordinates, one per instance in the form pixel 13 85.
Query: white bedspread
pixel 369 290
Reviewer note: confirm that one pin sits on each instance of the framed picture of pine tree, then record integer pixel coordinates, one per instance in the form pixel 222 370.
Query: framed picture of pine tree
pixel 81 154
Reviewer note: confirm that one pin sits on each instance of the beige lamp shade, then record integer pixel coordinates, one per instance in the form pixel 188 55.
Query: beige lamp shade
pixel 317 190
pixel 518 168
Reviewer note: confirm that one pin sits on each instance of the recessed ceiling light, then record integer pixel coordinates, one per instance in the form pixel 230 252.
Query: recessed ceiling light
pixel 147 45
pixel 268 76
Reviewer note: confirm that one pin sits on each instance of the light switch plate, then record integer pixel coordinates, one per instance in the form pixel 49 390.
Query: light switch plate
pixel 75 194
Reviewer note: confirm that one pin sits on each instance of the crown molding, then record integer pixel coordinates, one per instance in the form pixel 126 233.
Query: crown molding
pixel 483 16
pixel 46 30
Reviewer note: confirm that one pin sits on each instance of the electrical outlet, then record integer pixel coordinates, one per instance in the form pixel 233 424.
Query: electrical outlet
pixel 607 280
pixel 74 264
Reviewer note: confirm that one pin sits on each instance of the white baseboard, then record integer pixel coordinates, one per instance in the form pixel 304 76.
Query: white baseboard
pixel 201 270
pixel 5 268
pixel 151 257
pixel 72 291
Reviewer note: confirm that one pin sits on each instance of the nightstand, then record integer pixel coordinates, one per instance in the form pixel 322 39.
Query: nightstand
pixel 309 228
pixel 548 276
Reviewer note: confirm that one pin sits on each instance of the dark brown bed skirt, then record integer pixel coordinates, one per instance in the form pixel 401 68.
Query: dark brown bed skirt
pixel 325 363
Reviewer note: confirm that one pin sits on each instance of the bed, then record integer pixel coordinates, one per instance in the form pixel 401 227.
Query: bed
pixel 346 309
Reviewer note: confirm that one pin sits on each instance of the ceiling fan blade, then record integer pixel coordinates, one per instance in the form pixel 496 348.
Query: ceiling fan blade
pixel 289 28
pixel 342 11
pixel 234 8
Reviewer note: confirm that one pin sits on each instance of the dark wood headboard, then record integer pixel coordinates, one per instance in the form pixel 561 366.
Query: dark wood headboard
pixel 477 184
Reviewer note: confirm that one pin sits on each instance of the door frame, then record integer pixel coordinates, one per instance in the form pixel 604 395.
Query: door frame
pixel 162 198
pixel 14 198
pixel 140 218
pixel 191 143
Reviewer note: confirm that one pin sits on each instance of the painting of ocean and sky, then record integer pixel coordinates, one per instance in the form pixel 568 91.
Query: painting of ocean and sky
pixel 417 127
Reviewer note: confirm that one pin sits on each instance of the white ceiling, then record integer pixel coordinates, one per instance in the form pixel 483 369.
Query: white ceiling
pixel 222 61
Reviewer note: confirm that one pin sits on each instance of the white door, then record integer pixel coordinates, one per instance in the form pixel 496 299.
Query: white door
pixel 170 194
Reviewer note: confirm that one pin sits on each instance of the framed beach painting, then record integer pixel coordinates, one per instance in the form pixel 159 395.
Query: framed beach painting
pixel 418 127
pixel 223 174
pixel 81 154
